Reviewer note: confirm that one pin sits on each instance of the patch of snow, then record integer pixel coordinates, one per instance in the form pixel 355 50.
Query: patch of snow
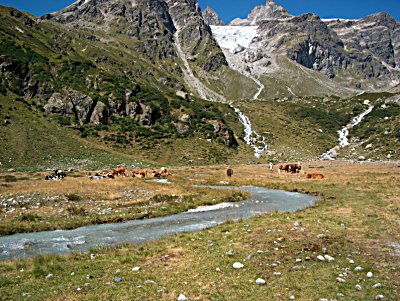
pixel 210 208
pixel 230 37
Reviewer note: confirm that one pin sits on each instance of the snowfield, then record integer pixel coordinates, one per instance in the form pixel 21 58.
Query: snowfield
pixel 230 37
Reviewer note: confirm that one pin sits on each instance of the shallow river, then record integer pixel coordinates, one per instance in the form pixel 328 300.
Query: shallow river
pixel 137 231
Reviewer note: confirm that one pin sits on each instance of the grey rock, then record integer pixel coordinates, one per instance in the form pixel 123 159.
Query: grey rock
pixel 211 17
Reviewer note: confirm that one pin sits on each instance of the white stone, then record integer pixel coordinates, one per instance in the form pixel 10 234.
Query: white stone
pixel 260 281
pixel 297 224
pixel 341 280
pixel 277 273
pixel 182 297
pixel 49 276
pixel 329 258
pixel 380 297
pixel 238 265
pixel 292 298
pixel 218 269
pixel 321 258
pixel 298 260
pixel 378 285
pixel 370 275
pixel 358 287
pixel 229 253
pixel 135 269
pixel 358 269
pixel 351 261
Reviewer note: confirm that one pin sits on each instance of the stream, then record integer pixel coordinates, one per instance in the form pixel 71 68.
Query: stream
pixel 344 134
pixel 138 231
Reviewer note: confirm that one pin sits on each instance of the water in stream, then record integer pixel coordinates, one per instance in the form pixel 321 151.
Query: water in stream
pixel 137 231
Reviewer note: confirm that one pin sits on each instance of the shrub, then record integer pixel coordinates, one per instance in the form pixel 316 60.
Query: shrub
pixel 73 197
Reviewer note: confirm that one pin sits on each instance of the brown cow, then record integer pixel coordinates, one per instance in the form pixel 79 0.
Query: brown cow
pixel 315 176
pixel 291 167
pixel 120 171
pixel 164 173
pixel 139 173
pixel 229 172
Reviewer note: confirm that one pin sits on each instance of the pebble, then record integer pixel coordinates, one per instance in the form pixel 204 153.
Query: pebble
pixel 92 256
pixel 182 297
pixel 260 281
pixel 323 300
pixel 308 258
pixel 149 282
pixel 324 250
pixel 295 267
pixel 380 297
pixel 259 252
pixel 297 224
pixel 49 276
pixel 136 269
pixel 358 269
pixel 277 273
pixel 238 265
pixel 351 261
pixel 378 285
pixel 25 295
pixel 249 257
pixel 358 287
pixel 340 295
pixel 72 274
pixel 298 260
pixel 321 258
pixel 229 253
pixel 292 298
pixel 218 269
pixel 370 275
pixel 89 276
pixel 329 258
pixel 117 279
pixel 341 280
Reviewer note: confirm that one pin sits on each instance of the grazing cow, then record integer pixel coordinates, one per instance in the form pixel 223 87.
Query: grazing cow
pixel 139 173
pixel 315 176
pixel 229 172
pixel 120 171
pixel 292 168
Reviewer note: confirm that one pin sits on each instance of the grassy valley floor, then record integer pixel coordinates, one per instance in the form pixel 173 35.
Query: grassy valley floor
pixel 357 220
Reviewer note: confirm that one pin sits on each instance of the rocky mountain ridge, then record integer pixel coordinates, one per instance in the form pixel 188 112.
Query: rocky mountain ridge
pixel 361 54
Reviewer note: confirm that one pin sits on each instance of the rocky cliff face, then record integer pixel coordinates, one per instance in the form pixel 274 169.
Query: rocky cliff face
pixel 211 17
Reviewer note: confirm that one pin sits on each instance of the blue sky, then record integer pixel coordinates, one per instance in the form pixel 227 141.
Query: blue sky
pixel 230 9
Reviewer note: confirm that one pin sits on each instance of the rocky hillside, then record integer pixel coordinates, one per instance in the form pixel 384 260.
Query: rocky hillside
pixel 90 69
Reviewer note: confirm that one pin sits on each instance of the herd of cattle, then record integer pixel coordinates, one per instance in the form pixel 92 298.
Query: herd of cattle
pixel 120 171
pixel 164 173
pixel 139 173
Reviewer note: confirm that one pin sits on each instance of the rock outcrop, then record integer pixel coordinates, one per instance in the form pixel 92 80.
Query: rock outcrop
pixel 211 17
